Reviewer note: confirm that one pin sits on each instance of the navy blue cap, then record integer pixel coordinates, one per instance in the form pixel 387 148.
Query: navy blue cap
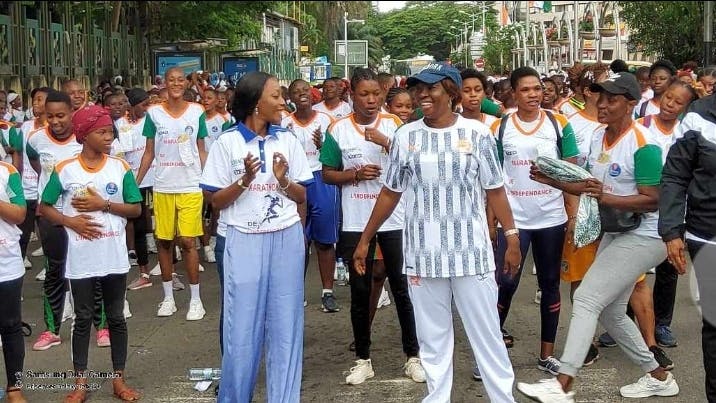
pixel 434 72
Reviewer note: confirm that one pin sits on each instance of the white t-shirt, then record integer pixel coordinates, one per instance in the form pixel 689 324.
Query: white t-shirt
pixel 214 127
pixel 534 205
pixel 340 111
pixel 263 207
pixel 664 137
pixel 304 133
pixel 567 109
pixel 346 148
pixel 442 174
pixel 113 180
pixel 178 167
pixel 11 266
pixel 133 149
pixel 634 159
pixel 43 147
pixel 29 176
pixel 652 108
pixel 584 128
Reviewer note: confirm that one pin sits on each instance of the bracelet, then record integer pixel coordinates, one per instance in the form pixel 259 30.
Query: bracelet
pixel 283 189
pixel 572 217
pixel 511 232
pixel 107 205
pixel 241 185
pixel 355 177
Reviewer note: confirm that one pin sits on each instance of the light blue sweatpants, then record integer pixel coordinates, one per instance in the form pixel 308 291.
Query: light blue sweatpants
pixel 263 307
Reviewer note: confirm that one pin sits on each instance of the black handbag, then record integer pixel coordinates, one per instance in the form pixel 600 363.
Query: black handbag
pixel 615 220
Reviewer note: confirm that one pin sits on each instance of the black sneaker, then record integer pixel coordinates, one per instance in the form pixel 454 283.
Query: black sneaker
pixel 661 358
pixel 592 356
pixel 329 303
pixel 508 338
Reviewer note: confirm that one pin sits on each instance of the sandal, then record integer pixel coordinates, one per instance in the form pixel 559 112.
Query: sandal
pixel 126 394
pixel 76 396
pixel 508 339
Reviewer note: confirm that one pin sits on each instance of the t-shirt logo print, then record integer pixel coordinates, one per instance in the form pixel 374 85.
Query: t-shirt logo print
pixel 111 188
pixel 271 213
pixel 614 170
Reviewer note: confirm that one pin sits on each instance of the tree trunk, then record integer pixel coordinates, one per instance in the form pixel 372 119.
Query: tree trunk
pixel 116 14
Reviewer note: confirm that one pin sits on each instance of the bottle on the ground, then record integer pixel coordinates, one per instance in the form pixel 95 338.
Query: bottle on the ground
pixel 341 272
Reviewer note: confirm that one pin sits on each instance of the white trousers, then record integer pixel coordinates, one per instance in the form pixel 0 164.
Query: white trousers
pixel 476 301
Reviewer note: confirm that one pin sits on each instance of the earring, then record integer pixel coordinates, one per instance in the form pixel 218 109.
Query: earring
pixel 256 110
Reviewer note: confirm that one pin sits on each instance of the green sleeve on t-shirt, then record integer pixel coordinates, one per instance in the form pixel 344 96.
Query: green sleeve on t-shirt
pixel 569 142
pixel 14 185
pixel 130 190
pixel 203 132
pixel 227 125
pixel 648 165
pixel 490 108
pixel 16 139
pixel 150 130
pixel 53 190
pixel 331 152
pixel 31 153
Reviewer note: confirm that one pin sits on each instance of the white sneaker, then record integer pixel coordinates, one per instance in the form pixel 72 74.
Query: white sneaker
pixel 33 237
pixel 68 310
pixel 648 386
pixel 38 252
pixel 156 271
pixel 546 391
pixel 414 370
pixel 41 275
pixel 212 242
pixel 384 299
pixel 196 310
pixel 177 285
pixel 133 258
pixel 534 269
pixel 538 297
pixel 151 244
pixel 27 263
pixel 127 313
pixel 209 255
pixel 201 268
pixel 167 307
pixel 362 371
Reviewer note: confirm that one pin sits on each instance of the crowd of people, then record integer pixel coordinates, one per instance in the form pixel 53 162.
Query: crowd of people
pixel 428 182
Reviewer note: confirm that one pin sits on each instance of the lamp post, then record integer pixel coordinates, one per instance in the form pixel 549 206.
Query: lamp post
pixel 466 43
pixel 345 35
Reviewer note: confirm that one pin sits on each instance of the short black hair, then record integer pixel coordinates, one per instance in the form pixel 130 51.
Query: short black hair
pixel 642 70
pixel 295 82
pixel 45 90
pixel 248 90
pixel 362 74
pixel 472 73
pixel 393 92
pixel 522 72
pixel 663 64
pixel 57 96
pixel 618 66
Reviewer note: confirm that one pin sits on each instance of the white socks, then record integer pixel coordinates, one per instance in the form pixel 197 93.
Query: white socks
pixel 326 291
pixel 168 290
pixel 194 288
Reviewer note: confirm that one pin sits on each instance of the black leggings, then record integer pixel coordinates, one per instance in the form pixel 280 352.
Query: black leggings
pixel 28 226
pixel 391 245
pixel 13 345
pixel 113 290
pixel 54 244
pixel 140 230
pixel 547 246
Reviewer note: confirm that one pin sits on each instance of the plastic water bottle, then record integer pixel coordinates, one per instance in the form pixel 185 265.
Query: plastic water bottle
pixel 204 374
pixel 341 272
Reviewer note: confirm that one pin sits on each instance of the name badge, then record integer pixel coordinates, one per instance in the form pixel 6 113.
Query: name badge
pixel 464 146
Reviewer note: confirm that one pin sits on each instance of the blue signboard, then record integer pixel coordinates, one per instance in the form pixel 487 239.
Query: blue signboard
pixel 236 67
pixel 189 62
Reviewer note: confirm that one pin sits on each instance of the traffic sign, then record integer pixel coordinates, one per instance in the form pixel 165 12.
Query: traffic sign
pixel 480 63
pixel 357 52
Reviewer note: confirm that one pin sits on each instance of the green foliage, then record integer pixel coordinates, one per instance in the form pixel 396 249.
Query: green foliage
pixel 184 20
pixel 498 51
pixel 422 27
pixel 673 30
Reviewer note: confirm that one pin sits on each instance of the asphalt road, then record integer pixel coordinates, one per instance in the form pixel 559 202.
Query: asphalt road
pixel 162 349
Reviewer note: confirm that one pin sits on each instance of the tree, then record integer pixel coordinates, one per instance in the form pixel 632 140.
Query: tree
pixel 422 27
pixel 673 30
pixel 498 49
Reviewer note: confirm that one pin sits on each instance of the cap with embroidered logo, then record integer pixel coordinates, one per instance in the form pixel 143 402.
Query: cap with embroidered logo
pixel 619 84
pixel 434 72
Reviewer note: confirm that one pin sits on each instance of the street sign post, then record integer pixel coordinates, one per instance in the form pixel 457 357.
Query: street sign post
pixel 480 63
pixel 357 53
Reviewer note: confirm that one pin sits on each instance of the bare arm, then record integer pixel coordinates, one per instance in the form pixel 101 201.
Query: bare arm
pixel 645 202
pixel 12 213
pixel 202 152
pixel 147 159
pixel 35 164
pixel 333 176
pixel 384 206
